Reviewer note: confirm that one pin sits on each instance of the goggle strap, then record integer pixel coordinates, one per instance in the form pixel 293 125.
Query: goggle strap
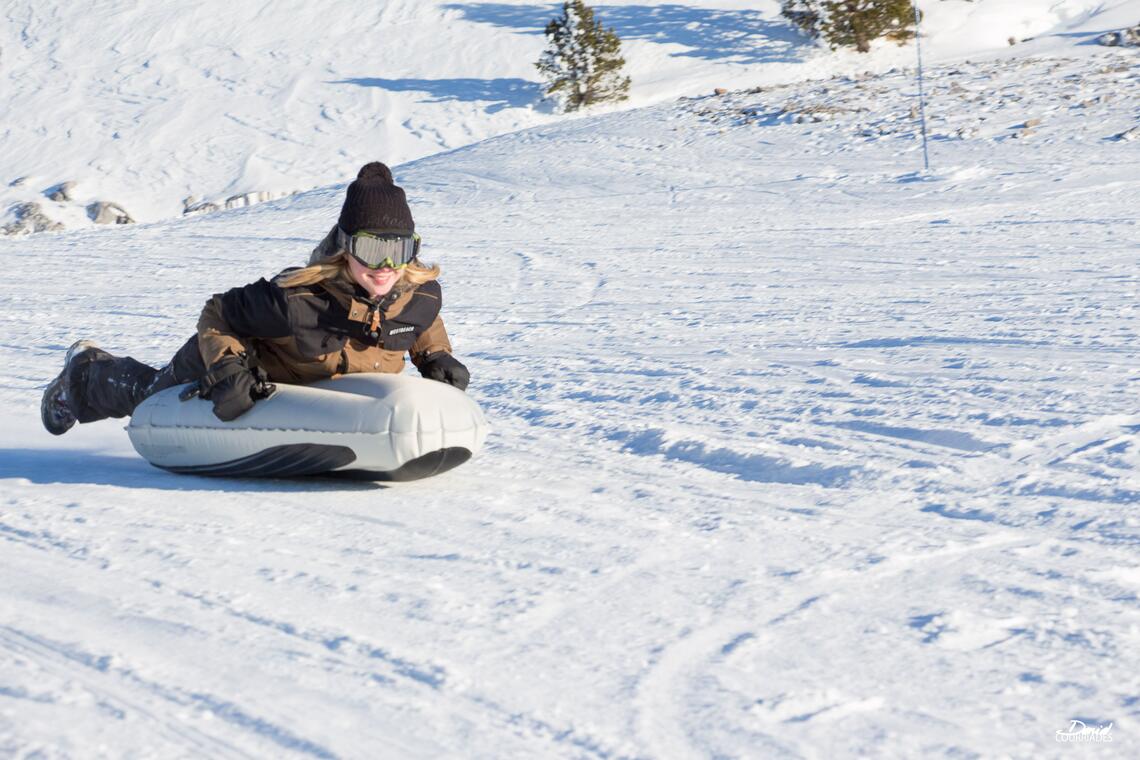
pixel 344 241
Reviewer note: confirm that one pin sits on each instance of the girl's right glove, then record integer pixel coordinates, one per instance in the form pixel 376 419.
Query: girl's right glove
pixel 234 386
pixel 445 368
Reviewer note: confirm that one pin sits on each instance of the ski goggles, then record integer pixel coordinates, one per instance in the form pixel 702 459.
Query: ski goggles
pixel 382 249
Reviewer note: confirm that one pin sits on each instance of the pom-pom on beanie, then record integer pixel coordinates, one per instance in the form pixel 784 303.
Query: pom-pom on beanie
pixel 375 202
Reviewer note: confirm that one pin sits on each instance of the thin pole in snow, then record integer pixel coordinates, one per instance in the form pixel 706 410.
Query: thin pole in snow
pixel 921 95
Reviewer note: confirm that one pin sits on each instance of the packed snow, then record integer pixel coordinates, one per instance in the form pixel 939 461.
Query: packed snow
pixel 797 450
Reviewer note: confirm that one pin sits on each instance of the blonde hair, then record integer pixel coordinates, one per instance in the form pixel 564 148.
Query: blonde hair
pixel 336 268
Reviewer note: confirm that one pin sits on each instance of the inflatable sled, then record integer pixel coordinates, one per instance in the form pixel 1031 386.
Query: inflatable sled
pixel 369 426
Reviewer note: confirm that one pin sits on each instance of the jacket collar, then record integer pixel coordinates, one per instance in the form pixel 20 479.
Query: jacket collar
pixel 360 306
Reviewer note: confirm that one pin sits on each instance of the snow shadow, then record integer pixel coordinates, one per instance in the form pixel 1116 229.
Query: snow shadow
pixel 501 93
pixel 951 439
pixel 744 36
pixel 746 466
pixel 958 514
pixel 1086 38
pixel 84 467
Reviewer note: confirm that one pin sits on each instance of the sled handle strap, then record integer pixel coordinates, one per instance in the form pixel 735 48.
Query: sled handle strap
pixel 224 369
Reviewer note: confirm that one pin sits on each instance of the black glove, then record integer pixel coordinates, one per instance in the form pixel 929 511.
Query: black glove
pixel 445 368
pixel 234 386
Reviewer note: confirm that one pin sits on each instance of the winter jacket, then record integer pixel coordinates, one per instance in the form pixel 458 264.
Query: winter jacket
pixel 313 332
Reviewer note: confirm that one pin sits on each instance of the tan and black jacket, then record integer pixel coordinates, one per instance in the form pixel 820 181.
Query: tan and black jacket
pixel 313 332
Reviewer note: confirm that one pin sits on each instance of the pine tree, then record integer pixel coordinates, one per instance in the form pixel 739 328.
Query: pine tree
pixel 582 62
pixel 845 23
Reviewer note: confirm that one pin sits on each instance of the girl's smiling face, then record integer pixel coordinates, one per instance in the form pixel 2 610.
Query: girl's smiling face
pixel 376 282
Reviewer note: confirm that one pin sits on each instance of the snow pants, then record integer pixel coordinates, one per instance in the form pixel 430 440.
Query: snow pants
pixel 100 385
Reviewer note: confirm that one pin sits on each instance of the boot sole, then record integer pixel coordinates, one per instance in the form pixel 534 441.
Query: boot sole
pixel 55 389
pixel 50 424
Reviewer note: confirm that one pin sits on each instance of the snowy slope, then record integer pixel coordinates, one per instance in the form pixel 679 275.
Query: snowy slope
pixel 149 104
pixel 797 451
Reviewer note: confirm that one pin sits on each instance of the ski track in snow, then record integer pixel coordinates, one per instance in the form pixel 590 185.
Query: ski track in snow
pixel 795 453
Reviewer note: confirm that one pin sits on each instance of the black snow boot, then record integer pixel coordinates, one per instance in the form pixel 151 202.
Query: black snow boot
pixel 55 406
pixel 95 385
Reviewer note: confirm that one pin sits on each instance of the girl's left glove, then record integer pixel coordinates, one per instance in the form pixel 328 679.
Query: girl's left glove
pixel 445 368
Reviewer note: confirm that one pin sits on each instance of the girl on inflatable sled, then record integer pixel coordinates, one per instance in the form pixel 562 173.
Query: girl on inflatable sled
pixel 364 300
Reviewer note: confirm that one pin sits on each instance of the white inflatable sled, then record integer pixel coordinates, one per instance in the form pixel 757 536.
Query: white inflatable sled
pixel 369 426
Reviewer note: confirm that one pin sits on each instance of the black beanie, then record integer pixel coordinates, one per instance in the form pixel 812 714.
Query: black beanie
pixel 374 202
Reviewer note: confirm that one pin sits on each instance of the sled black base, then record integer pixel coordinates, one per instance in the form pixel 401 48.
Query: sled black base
pixel 303 459
pixel 432 463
